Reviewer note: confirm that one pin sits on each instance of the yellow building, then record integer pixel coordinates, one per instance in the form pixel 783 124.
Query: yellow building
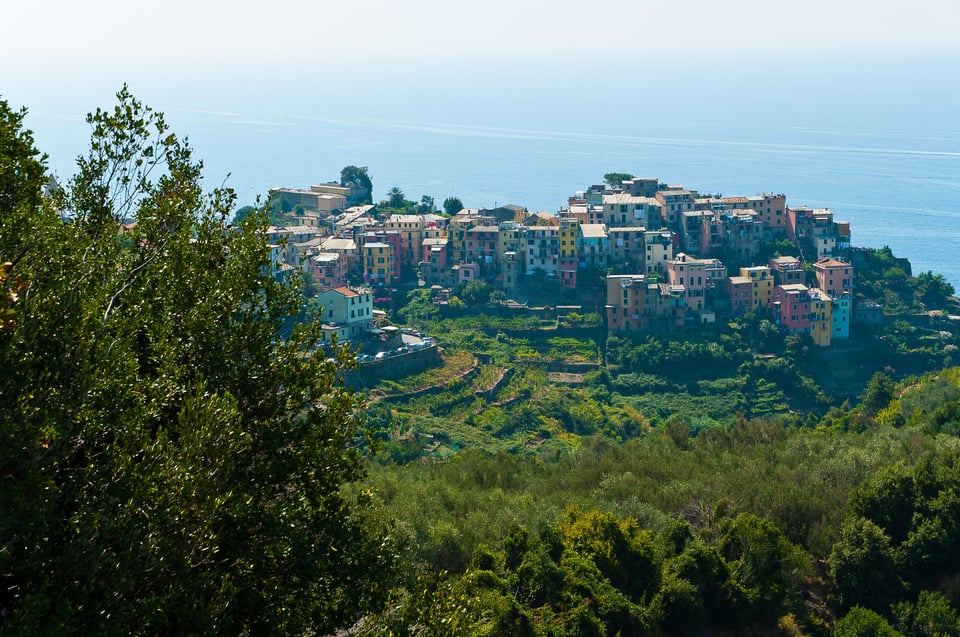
pixel 457 242
pixel 761 279
pixel 509 238
pixel 658 250
pixel 568 238
pixel 378 266
pixel 821 317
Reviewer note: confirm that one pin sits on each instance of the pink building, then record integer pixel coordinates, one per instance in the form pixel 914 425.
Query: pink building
pixel 329 269
pixel 791 307
pixel 567 272
pixel 834 277
pixel 435 251
pixel 690 274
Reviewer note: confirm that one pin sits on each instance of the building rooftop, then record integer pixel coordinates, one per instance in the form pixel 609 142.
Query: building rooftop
pixel 593 230
pixel 624 198
pixel 404 219
pixel 787 262
pixel 828 262
pixel 347 292
pixel 339 243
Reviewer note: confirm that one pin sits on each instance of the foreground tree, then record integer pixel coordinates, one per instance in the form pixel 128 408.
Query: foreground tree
pixel 169 464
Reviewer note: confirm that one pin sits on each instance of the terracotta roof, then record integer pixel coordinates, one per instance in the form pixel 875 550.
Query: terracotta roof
pixel 831 263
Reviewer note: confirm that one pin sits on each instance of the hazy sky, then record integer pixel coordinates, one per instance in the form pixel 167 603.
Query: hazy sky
pixel 101 35
pixel 880 63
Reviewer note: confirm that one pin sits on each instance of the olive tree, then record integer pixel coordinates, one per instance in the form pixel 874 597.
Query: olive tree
pixel 170 463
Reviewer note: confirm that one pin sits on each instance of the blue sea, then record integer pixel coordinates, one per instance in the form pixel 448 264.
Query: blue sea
pixel 888 165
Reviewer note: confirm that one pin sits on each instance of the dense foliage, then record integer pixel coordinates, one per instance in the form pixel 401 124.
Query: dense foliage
pixel 727 426
pixel 168 464
pixel 755 527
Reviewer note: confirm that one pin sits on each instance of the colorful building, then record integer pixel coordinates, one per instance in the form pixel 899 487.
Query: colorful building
pixel 623 209
pixel 740 236
pixel 786 270
pixel 821 317
pixel 347 313
pixel 329 269
pixel 762 281
pixel 791 307
pixel 689 274
pixel 835 277
pixel 483 249
pixel 592 245
pixel 628 305
pixel 840 314
pixel 658 246
pixel 542 250
pixel 739 294
pixel 625 248
pixel 673 204
pixel 379 263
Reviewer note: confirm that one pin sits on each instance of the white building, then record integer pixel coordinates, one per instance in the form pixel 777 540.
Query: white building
pixel 348 313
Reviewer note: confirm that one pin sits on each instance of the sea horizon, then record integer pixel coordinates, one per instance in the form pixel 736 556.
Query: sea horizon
pixel 892 171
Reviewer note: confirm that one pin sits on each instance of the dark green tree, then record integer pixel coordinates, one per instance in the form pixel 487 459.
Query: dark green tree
pixel 452 205
pixel 242 213
pixel 356 177
pixel 878 393
pixel 615 179
pixel 863 566
pixel 396 198
pixel 475 292
pixel 933 290
pixel 426 205
pixel 863 622
pixel 170 465
pixel 931 616
pixel 765 565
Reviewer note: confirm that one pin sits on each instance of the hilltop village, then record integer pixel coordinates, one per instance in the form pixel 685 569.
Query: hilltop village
pixel 670 256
